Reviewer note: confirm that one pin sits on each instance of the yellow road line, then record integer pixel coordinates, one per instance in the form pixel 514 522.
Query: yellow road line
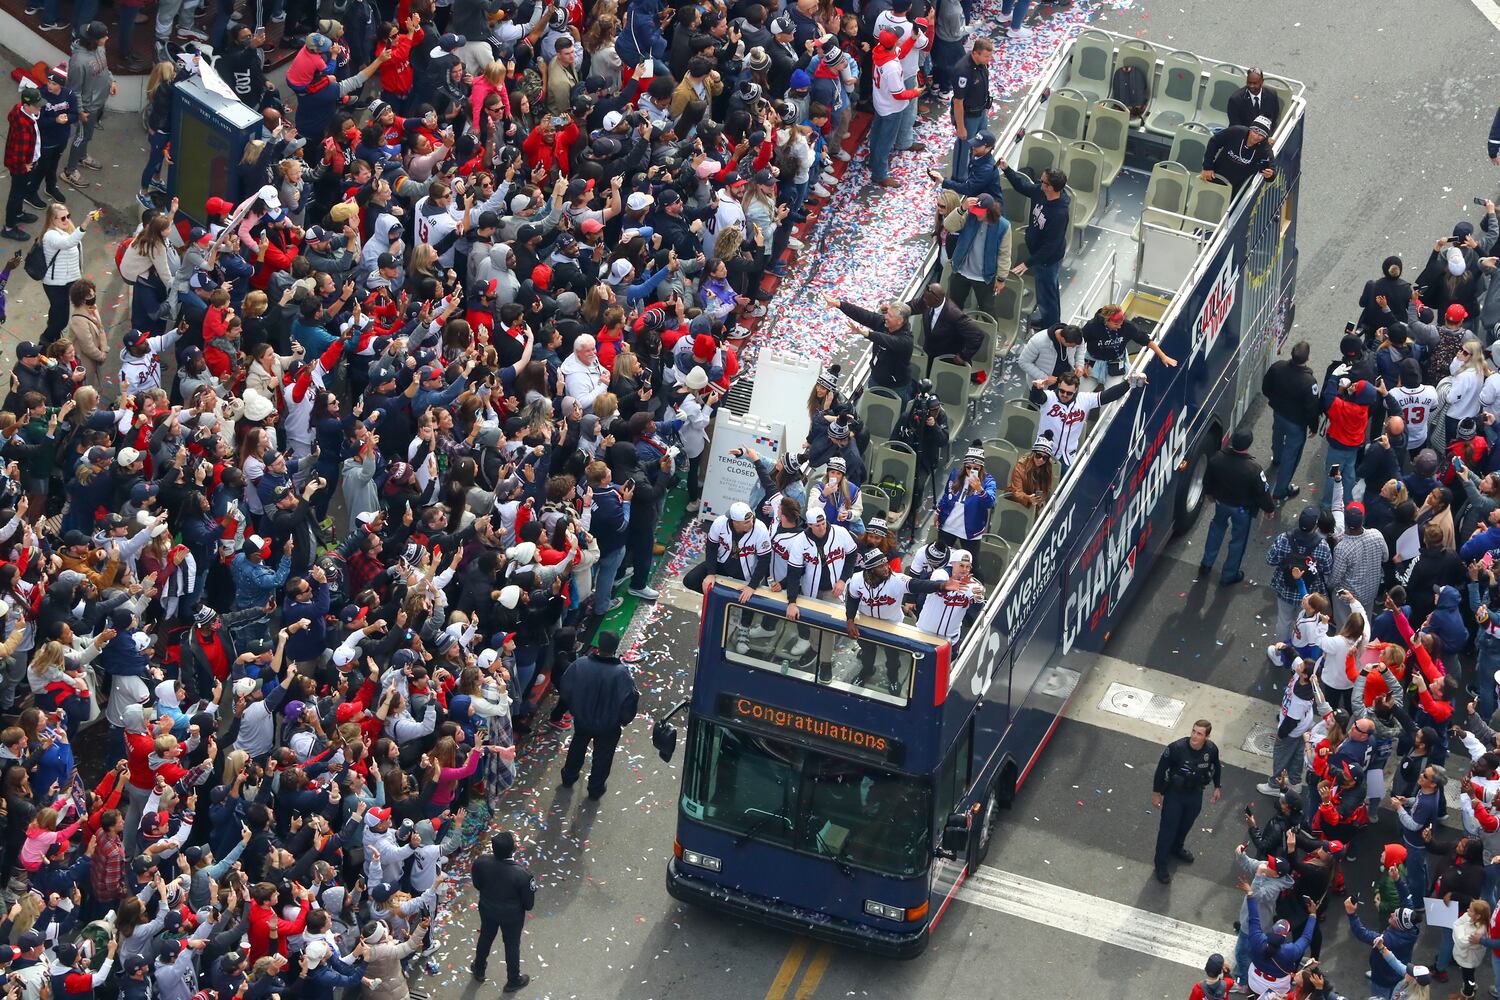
pixel 788 971
pixel 815 970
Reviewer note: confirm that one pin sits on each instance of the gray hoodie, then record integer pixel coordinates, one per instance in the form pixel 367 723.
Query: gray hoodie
pixel 89 76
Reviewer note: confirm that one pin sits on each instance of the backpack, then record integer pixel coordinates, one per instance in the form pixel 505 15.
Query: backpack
pixel 1130 87
pixel 896 490
pixel 36 265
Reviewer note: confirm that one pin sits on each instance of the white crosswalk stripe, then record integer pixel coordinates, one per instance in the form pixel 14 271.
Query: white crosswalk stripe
pixel 1089 916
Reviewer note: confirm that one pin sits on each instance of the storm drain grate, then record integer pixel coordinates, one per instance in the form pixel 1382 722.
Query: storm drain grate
pixel 1261 740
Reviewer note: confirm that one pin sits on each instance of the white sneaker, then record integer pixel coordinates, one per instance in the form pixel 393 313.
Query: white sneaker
pixel 645 593
pixel 844 156
pixel 796 244
pixel 756 312
pixel 828 177
pixel 822 191
pixel 693 505
pixel 800 647
pixel 1021 32
pixel 1274 655
pixel 1266 788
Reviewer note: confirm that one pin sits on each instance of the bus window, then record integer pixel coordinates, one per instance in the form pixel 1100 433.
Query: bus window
pixel 740 783
pixel 864 817
pixel 770 790
pixel 864 666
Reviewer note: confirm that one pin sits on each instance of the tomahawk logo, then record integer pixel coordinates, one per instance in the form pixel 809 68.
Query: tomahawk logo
pixel 1216 308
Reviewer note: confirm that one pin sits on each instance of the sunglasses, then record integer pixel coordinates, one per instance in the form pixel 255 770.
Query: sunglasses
pixel 89 302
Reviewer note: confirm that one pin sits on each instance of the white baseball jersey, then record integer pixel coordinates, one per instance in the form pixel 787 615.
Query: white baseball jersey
pixel 1416 409
pixel 1065 421
pixel 750 548
pixel 786 551
pixel 882 601
pixel 943 613
pixel 823 563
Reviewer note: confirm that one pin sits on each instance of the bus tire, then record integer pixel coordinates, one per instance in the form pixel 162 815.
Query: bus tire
pixel 1189 500
pixel 1001 794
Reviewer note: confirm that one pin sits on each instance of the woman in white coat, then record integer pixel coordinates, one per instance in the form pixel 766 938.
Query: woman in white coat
pixel 696 412
pixel 62 248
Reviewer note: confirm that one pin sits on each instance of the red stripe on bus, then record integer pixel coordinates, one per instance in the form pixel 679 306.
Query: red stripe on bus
pixel 944 654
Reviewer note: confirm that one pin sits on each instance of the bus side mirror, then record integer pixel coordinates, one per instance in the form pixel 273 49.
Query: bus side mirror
pixel 664 739
pixel 956 834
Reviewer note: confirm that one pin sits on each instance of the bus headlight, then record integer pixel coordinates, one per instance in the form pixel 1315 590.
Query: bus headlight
pixel 702 860
pixel 877 909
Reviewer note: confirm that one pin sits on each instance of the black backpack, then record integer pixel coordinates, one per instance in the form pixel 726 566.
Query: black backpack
pixel 1131 88
pixel 36 264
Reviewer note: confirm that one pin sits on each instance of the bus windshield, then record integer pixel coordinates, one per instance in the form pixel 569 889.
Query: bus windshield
pixel 778 792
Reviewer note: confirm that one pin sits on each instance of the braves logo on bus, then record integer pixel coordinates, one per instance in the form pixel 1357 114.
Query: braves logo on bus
pixel 1216 308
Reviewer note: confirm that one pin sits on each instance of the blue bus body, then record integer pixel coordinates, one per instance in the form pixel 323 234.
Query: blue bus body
pixel 978 717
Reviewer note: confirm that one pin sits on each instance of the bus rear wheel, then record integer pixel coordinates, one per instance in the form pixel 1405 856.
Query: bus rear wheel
pixel 1189 500
pixel 988 817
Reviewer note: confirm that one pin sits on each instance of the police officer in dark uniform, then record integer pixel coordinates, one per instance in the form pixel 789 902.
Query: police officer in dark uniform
pixel 1187 766
pixel 971 102
pixel 1238 485
pixel 506 892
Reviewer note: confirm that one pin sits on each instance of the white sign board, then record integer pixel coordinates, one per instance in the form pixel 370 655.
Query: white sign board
pixel 782 384
pixel 730 477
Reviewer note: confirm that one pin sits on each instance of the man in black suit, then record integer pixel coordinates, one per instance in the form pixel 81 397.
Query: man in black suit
pixel 945 328
pixel 1253 100
pixel 506 892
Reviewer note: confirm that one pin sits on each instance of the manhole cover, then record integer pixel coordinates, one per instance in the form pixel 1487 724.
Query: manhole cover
pixel 1138 703
pixel 1261 741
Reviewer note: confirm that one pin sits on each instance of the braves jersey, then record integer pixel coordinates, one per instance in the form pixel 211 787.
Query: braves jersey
pixel 1416 409
pixel 823 564
pixel 786 551
pixel 943 613
pixel 743 553
pixel 883 600
pixel 1065 421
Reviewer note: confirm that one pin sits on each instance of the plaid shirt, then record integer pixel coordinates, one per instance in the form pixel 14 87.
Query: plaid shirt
pixel 107 872
pixel 21 150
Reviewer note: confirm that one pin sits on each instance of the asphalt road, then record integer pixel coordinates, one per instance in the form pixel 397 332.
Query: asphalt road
pixel 1399 104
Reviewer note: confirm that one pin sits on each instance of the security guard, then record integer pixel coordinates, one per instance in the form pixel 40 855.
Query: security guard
pixel 1187 766
pixel 1238 484
pixel 506 892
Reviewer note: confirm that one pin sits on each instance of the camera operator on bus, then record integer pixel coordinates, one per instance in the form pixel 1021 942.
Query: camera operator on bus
pixel 947 612
pixel 924 427
pixel 1104 344
pixel 878 592
pixel 1064 409
pixel 964 507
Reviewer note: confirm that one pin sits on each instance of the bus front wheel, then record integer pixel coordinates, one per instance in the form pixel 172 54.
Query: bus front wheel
pixel 1002 792
pixel 1190 489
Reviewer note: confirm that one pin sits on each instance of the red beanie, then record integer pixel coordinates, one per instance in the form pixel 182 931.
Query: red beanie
pixel 1392 855
pixel 541 276
pixel 704 347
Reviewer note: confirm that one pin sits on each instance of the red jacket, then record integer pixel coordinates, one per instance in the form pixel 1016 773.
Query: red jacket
pixel 20 141
pixel 1349 416
pixel 395 72
pixel 554 154
pixel 260 929
pixel 138 749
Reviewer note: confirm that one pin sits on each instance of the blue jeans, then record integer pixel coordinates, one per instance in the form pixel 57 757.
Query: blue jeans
pixel 1416 875
pixel 972 124
pixel 607 568
pixel 526 660
pixel 83 13
pixel 1018 13
pixel 156 157
pixel 882 137
pixel 1237 521
pixel 1287 440
pixel 1048 292
pixel 1345 459
pixel 1484 679
pixel 909 121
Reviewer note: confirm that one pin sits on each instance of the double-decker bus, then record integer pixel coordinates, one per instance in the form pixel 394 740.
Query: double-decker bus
pixel 851 810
